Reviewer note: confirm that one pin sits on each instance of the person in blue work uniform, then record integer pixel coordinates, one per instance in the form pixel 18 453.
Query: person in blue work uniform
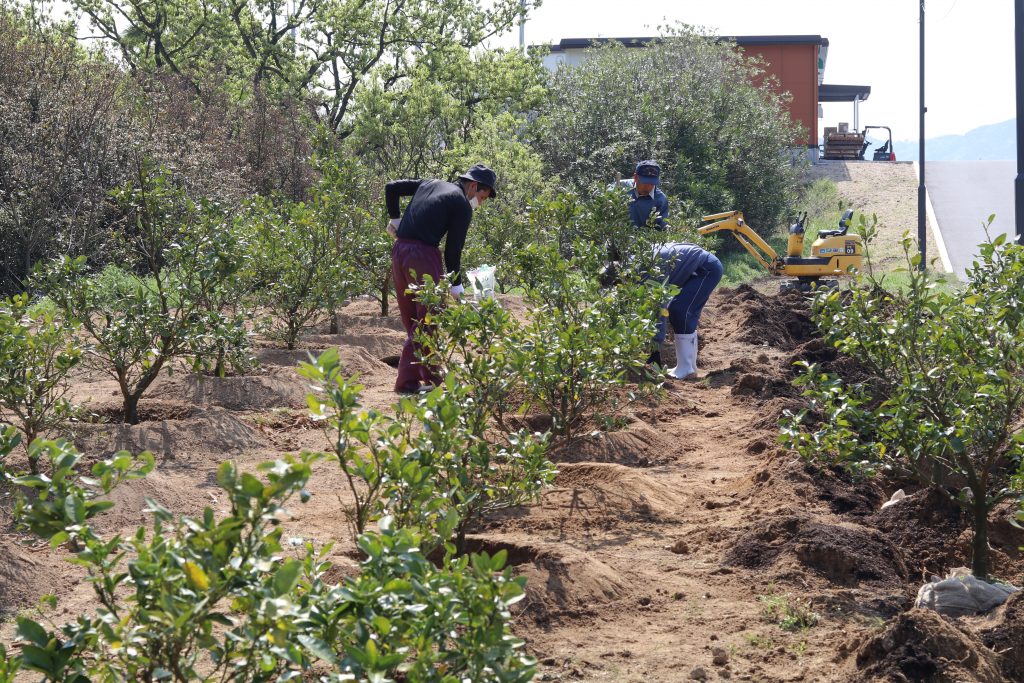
pixel 438 210
pixel 647 203
pixel 694 270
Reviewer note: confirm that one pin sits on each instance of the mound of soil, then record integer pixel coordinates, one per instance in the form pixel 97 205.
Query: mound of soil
pixel 782 321
pixel 149 410
pixel 1006 637
pixel 758 377
pixel 640 445
pixel 847 556
pixel 203 431
pixel 920 645
pixel 560 582
pixel 248 392
pixel 638 495
pixel 286 358
pixel 362 314
pixel 773 409
pixel 379 344
pixel 355 360
pixel 843 494
pixel 924 526
pixel 593 498
pixel 26 574
pixel 358 361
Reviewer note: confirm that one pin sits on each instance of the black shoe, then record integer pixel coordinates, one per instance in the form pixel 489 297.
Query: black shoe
pixel 409 390
pixel 654 358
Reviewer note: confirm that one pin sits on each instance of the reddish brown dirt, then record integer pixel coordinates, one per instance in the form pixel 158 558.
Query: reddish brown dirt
pixel 650 556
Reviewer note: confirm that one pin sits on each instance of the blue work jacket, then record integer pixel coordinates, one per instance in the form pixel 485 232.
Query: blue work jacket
pixel 641 208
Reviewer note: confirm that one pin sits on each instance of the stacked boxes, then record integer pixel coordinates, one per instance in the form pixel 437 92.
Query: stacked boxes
pixel 842 144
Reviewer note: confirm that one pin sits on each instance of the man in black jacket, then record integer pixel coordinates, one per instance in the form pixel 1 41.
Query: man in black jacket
pixel 438 210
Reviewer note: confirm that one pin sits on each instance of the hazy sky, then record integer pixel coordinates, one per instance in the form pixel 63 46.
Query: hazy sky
pixel 969 44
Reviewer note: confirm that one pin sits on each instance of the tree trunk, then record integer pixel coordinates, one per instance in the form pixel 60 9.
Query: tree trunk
pixel 33 460
pixel 334 322
pixel 384 297
pixel 460 540
pixel 979 560
pixel 131 408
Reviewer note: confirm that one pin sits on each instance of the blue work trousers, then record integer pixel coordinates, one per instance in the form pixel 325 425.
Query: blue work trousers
pixel 685 308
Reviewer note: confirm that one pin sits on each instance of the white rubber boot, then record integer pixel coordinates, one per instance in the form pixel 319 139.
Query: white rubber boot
pixel 686 357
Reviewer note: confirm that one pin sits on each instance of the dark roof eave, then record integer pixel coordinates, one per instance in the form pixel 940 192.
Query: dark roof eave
pixel 581 43
pixel 828 92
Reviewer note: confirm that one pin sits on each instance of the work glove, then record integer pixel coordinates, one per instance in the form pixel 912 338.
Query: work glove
pixel 393 226
pixel 457 291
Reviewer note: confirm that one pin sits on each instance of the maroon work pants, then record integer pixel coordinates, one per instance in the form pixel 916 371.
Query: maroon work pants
pixel 411 260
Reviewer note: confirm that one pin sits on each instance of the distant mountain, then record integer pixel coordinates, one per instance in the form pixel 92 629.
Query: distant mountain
pixel 995 142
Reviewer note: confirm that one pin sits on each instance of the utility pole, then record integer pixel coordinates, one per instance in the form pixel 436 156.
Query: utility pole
pixel 522 25
pixel 922 189
pixel 1018 183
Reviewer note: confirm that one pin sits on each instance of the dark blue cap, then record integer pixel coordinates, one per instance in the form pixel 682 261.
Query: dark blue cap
pixel 483 175
pixel 648 172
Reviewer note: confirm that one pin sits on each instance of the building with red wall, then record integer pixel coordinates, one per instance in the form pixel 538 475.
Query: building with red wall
pixel 797 62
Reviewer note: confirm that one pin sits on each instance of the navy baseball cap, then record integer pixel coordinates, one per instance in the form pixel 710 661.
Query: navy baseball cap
pixel 648 172
pixel 483 175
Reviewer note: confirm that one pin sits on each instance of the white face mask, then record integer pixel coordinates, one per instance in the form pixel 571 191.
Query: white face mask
pixel 474 202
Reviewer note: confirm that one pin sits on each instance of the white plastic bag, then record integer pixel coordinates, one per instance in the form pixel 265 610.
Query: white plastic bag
pixel 896 498
pixel 482 281
pixel 960 593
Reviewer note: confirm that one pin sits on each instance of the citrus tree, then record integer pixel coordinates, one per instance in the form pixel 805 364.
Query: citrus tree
pixel 944 390
pixel 433 466
pixel 158 311
pixel 581 343
pixel 37 351
pixel 295 271
pixel 219 598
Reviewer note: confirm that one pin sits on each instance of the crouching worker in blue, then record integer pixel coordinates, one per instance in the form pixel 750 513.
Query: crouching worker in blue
pixel 696 272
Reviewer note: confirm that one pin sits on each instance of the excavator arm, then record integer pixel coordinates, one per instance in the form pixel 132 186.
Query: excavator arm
pixel 733 222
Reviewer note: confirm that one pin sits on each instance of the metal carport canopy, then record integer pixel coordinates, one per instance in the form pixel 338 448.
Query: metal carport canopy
pixel 843 93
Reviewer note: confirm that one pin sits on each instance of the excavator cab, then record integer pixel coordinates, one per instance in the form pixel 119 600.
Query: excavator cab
pixel 844 226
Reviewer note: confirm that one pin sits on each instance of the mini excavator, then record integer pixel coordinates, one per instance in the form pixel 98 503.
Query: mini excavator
pixel 834 252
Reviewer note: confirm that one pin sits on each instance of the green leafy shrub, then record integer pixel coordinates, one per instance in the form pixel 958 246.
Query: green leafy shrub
pixel 37 351
pixel 368 446
pixel 722 142
pixel 474 474
pixel 137 324
pixel 433 466
pixel 221 342
pixel 581 343
pixel 206 599
pixel 163 613
pixel 473 342
pixel 296 269
pixel 9 666
pixel 65 502
pixel 351 204
pixel 944 387
pixel 404 615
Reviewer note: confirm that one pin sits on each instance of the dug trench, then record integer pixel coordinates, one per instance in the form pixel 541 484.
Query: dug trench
pixel 663 552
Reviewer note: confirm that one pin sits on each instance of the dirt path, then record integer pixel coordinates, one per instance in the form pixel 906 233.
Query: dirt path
pixel 658 550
